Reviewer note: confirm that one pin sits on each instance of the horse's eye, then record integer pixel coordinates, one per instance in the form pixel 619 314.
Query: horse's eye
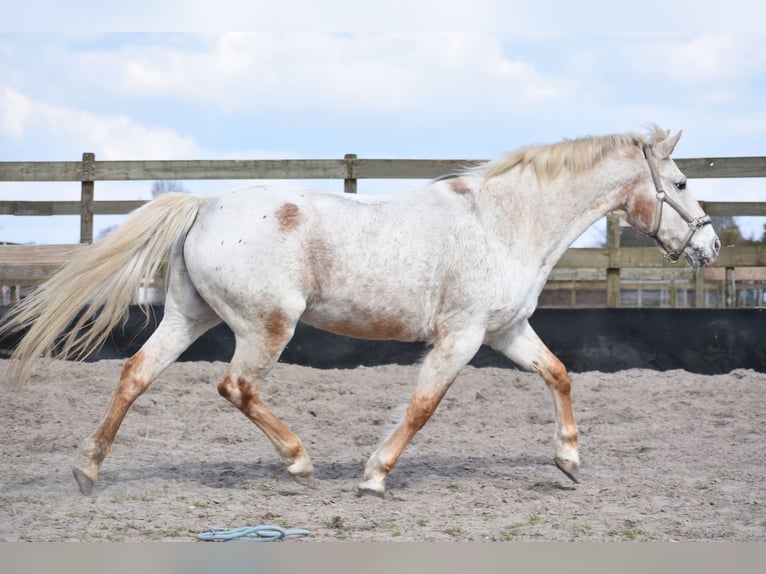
pixel 681 185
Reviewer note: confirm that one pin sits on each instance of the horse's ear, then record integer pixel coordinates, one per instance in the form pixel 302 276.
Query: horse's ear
pixel 664 148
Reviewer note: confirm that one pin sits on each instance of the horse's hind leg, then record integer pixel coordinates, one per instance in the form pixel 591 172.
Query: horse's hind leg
pixel 258 346
pixel 523 346
pixel 172 337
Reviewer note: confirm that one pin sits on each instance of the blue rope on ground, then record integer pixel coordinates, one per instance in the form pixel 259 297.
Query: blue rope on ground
pixel 260 533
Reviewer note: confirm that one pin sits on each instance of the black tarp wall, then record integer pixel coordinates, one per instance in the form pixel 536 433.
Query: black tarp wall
pixel 707 341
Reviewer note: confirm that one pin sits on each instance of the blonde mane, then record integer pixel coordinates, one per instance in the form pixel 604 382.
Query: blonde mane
pixel 575 155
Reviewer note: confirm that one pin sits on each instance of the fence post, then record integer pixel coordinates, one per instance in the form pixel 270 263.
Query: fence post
pixel 730 289
pixel 699 288
pixel 349 184
pixel 86 197
pixel 612 273
pixel 673 294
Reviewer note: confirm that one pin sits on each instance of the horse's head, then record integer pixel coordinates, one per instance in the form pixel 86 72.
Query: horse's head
pixel 662 207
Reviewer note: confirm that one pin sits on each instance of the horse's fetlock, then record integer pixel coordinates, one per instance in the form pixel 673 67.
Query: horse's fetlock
pixel 569 436
pixel 93 450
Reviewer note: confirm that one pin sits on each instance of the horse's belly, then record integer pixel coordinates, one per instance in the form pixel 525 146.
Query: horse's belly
pixel 364 323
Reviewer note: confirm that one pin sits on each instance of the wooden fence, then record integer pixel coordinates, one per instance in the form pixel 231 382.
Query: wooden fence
pixel 612 271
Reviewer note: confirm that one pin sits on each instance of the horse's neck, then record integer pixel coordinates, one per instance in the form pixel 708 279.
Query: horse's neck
pixel 541 219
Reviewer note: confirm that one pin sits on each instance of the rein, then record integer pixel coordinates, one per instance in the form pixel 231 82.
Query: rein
pixel 694 223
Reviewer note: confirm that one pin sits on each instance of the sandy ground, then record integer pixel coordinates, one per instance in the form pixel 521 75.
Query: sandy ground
pixel 666 456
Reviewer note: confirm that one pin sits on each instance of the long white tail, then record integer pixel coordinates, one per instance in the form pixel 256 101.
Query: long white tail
pixel 90 294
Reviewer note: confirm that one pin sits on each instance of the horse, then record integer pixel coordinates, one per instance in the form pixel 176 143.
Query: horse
pixel 458 263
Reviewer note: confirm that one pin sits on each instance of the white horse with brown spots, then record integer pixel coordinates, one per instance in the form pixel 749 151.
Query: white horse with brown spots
pixel 458 263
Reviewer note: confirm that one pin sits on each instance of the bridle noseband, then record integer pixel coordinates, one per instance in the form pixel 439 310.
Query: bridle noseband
pixel 695 223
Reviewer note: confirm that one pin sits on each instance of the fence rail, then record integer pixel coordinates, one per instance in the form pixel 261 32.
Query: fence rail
pixel 350 167
pixel 608 268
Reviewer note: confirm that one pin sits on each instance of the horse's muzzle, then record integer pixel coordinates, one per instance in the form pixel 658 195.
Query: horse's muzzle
pixel 698 256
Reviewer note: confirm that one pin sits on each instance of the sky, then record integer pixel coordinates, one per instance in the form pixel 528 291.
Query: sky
pixel 409 94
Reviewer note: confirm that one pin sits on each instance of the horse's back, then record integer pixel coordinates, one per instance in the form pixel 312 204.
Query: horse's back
pixel 281 228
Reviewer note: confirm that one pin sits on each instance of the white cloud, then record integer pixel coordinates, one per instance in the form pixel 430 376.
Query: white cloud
pixel 373 72
pixel 706 59
pixel 15 112
pixel 535 89
pixel 109 136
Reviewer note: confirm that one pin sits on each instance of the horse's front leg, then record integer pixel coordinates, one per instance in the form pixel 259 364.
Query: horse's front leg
pixel 440 368
pixel 522 345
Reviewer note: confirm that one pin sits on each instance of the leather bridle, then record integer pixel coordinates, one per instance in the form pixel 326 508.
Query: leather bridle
pixel 694 223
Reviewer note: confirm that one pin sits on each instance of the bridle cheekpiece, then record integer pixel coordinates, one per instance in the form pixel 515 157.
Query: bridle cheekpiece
pixel 694 223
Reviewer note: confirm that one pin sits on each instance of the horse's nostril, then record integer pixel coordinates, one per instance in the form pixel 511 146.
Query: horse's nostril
pixel 717 245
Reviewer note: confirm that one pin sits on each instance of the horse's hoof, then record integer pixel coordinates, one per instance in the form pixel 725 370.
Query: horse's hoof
pixel 306 480
pixel 302 471
pixel 569 468
pixel 83 481
pixel 370 492
pixel 371 488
